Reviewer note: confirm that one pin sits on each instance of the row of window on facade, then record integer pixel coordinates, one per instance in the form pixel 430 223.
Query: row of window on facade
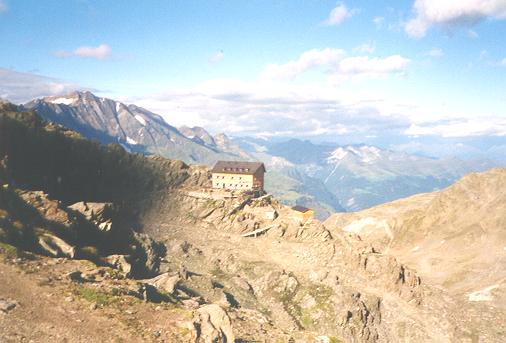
pixel 236 169
pixel 217 177
pixel 230 185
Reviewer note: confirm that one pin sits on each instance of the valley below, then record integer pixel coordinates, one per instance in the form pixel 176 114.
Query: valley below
pixel 99 244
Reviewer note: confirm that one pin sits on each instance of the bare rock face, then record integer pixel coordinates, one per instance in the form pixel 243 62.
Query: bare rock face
pixel 360 317
pixel 147 253
pixel 99 214
pixel 391 274
pixel 49 209
pixel 212 325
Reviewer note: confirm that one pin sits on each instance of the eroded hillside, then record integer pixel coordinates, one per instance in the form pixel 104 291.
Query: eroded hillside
pixel 455 238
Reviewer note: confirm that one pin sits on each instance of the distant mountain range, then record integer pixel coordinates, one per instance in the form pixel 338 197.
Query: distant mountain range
pixel 327 177
pixel 135 128
pixel 361 176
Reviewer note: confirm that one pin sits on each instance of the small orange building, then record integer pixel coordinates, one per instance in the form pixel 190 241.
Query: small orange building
pixel 303 213
pixel 238 175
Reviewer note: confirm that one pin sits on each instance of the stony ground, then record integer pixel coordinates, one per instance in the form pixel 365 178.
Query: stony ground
pixel 49 307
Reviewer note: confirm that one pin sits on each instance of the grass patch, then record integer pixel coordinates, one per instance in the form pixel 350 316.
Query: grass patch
pixel 9 251
pixel 220 275
pixel 12 252
pixel 98 297
pixel 254 269
pixel 321 312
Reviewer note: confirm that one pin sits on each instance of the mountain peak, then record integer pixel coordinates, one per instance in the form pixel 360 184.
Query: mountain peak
pixel 72 98
pixel 197 134
pixel 365 153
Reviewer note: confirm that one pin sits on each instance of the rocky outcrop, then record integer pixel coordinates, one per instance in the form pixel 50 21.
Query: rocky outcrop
pixel 212 325
pixel 55 246
pixel 146 254
pixel 360 317
pixel 99 214
pixel 120 262
pixel 385 271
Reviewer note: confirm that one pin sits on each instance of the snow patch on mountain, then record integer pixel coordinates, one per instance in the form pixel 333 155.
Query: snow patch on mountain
pixel 279 162
pixel 337 155
pixel 140 120
pixel 64 101
pixel 365 154
pixel 131 141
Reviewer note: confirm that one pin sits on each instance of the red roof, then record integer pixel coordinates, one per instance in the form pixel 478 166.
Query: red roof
pixel 301 209
pixel 237 167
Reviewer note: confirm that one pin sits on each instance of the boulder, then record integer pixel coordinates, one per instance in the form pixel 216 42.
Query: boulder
pixel 75 276
pixel 55 246
pixel 212 325
pixel 120 262
pixel 165 282
pixel 93 211
pixel 7 305
pixel 98 213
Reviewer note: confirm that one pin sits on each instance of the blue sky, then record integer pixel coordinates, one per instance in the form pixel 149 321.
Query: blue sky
pixel 390 73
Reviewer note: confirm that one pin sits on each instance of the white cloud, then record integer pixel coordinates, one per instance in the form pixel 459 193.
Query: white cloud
pixel 367 48
pixel 217 57
pixel 313 58
pixel 472 34
pixel 436 52
pixel 452 13
pixel 21 87
pixel 3 6
pixel 287 109
pixel 366 66
pixel 100 52
pixel 378 21
pixel 338 15
pixel 462 127
pixel 337 65
pixel 272 108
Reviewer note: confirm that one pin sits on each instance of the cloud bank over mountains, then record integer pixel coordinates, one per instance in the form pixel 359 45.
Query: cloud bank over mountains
pixel 20 87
